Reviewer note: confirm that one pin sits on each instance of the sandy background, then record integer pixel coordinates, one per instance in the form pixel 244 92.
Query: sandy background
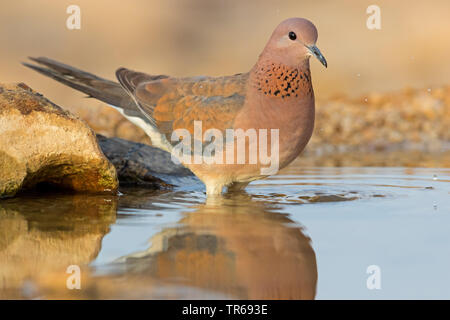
pixel 218 37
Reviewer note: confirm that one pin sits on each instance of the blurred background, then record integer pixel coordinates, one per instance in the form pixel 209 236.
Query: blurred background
pixel 407 57
pixel 383 101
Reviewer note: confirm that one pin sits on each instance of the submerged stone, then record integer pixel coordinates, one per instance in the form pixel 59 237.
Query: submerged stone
pixel 138 164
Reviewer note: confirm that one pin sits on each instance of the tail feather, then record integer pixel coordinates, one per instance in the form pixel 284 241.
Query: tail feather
pixel 119 96
pixel 102 89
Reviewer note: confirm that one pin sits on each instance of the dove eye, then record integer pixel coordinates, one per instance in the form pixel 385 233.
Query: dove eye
pixel 292 35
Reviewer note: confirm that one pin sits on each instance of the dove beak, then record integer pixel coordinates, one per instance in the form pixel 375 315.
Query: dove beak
pixel 316 53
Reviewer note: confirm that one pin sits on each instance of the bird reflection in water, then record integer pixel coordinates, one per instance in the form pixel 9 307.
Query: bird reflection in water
pixel 231 247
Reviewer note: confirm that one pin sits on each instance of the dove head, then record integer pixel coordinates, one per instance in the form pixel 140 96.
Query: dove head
pixel 292 43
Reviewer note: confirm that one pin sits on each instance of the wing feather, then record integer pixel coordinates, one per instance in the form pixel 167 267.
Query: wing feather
pixel 175 103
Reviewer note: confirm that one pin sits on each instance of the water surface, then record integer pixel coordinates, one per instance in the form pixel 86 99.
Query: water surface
pixel 305 233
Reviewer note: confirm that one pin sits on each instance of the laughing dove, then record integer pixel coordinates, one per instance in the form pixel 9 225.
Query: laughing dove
pixel 228 130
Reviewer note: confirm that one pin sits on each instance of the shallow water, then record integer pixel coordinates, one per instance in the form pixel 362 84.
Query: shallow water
pixel 305 233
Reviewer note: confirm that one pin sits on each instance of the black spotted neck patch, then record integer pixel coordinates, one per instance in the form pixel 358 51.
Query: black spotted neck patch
pixel 277 80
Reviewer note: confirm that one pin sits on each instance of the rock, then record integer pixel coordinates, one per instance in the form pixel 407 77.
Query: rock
pixel 142 165
pixel 43 144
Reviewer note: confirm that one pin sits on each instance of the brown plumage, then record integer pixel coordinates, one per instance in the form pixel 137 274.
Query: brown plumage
pixel 175 103
pixel 276 94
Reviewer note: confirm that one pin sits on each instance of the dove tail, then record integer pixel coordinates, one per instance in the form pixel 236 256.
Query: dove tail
pixel 116 95
pixel 95 87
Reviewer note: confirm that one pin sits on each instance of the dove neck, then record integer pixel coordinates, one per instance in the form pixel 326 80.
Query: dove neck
pixel 280 81
pixel 280 97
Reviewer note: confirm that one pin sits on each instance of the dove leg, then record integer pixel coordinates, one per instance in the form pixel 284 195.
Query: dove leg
pixel 213 188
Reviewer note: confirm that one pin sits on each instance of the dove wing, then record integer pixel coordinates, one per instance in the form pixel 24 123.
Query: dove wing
pixel 175 103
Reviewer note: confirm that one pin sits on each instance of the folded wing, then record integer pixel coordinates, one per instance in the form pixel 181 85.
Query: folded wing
pixel 175 103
